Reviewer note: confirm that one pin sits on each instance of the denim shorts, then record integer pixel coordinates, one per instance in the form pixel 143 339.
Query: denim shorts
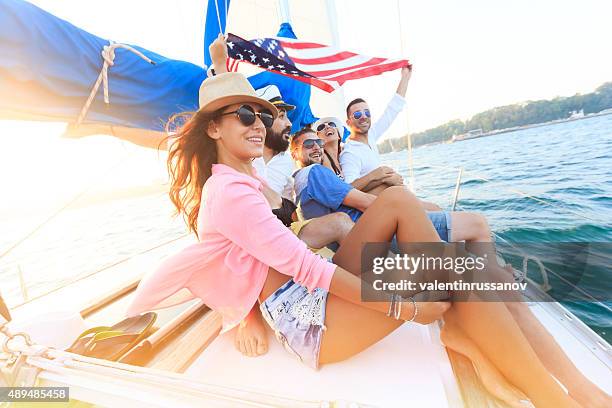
pixel 297 318
pixel 441 221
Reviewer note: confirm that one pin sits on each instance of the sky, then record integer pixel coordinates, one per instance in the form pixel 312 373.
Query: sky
pixel 468 56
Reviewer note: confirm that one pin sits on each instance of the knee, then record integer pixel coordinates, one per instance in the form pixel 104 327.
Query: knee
pixel 481 224
pixel 399 196
pixel 342 224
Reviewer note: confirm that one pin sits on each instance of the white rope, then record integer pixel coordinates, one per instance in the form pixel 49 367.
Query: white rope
pixel 108 55
pixel 219 16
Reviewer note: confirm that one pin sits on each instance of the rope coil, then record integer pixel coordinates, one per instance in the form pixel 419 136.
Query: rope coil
pixel 108 55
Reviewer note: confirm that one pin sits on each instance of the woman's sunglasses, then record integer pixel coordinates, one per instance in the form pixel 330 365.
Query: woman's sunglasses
pixel 309 143
pixel 322 126
pixel 357 114
pixel 247 116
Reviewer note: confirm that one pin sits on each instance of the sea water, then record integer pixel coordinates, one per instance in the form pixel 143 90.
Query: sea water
pixel 545 184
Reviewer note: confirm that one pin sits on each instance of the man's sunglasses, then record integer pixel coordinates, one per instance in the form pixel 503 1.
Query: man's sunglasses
pixel 247 116
pixel 357 114
pixel 322 126
pixel 309 143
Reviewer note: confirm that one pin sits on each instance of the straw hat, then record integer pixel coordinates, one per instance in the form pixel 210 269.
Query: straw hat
pixel 228 88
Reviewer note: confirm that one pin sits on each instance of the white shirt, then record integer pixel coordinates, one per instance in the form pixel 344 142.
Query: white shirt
pixel 358 159
pixel 277 173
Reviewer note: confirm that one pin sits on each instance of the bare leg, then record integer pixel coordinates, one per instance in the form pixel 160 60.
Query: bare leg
pixel 474 228
pixel 490 325
pixel 453 337
pixel 322 231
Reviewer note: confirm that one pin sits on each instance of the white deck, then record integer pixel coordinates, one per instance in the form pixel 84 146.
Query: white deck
pixel 409 366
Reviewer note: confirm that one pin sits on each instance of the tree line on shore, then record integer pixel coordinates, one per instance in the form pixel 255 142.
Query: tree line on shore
pixel 503 117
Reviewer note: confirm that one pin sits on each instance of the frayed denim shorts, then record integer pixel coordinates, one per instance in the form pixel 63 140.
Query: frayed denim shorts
pixel 441 221
pixel 298 320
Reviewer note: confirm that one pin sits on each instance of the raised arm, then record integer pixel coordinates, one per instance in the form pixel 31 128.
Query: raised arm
pixel 218 54
pixel 395 106
pixel 403 84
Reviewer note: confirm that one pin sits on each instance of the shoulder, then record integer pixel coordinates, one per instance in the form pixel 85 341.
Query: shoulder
pixel 284 159
pixel 225 183
pixel 350 150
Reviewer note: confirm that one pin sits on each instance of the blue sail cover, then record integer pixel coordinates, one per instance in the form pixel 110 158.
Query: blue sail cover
pixel 48 67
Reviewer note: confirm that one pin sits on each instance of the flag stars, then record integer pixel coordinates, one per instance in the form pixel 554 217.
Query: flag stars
pixel 230 45
pixel 266 60
pixel 271 66
pixel 253 58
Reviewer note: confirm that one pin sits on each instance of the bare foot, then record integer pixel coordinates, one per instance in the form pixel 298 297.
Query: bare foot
pixel 251 338
pixel 489 375
pixel 590 395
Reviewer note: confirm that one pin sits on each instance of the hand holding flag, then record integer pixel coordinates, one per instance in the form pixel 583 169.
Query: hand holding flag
pixel 322 66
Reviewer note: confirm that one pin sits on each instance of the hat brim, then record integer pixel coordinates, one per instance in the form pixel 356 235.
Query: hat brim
pixel 219 103
pixel 284 106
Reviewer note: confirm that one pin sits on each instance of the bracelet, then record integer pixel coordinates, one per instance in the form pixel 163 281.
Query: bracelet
pixel 397 312
pixel 416 310
pixel 391 305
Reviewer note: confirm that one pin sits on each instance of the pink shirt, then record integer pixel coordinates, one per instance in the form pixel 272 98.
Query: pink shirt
pixel 240 239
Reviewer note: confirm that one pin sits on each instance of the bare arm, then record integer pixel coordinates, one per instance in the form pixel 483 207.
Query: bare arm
pixel 403 84
pixel 373 179
pixel 358 199
pixel 366 183
pixel 218 54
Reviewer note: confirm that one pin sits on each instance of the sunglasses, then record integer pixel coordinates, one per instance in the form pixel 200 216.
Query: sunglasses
pixel 247 116
pixel 309 143
pixel 357 114
pixel 322 126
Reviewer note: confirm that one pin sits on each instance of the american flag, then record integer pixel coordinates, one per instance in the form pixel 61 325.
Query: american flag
pixel 322 66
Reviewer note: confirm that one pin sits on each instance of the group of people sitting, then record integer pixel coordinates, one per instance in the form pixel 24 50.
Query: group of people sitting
pixel 262 202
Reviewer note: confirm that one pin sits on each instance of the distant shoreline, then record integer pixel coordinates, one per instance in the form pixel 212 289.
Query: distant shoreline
pixel 515 128
pixel 508 130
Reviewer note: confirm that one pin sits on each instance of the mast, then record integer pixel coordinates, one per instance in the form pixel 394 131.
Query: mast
pixel 285 14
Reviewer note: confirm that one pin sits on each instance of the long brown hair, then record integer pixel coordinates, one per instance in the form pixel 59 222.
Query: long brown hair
pixel 190 158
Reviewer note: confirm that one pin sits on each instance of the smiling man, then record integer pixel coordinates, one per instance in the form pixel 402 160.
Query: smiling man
pixel 359 157
pixel 320 192
pixel 276 166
